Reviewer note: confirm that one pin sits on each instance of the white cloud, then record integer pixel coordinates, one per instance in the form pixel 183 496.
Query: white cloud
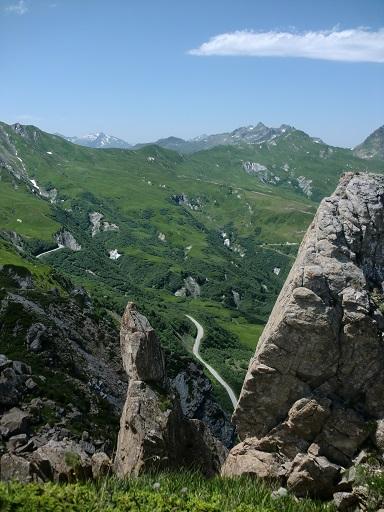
pixel 354 45
pixel 19 8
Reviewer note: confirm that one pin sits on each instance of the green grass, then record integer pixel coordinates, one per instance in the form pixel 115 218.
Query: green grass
pixel 137 190
pixel 177 492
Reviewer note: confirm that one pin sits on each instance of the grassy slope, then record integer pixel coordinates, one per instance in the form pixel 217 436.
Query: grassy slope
pixel 134 189
pixel 180 492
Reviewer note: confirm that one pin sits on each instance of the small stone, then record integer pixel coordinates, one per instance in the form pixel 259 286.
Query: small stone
pixel 280 493
pixel 89 448
pixel 344 500
pixel 4 362
pixel 21 368
pixel 30 384
pixel 28 447
pixel 16 441
pixel 156 486
pixel 184 490
pixel 101 465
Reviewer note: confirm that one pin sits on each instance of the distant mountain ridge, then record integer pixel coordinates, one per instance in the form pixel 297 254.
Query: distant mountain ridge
pixel 373 145
pixel 252 134
pixel 98 140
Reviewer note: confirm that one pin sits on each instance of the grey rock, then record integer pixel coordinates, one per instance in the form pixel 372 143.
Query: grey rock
pixel 14 468
pixel 66 239
pixel 66 460
pixel 345 500
pixel 315 386
pixel 101 465
pixel 10 387
pixel 30 384
pixel 21 368
pixel 321 333
pixel 194 391
pixel 154 434
pixel 4 362
pixel 16 441
pixel 314 477
pixel 378 435
pixel 34 337
pixel 142 356
pixel 247 458
pixel 14 422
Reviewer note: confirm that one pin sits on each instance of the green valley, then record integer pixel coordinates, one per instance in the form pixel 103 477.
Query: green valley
pixel 212 233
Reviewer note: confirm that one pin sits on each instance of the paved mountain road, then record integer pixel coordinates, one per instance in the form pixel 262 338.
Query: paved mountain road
pixel 51 251
pixel 217 376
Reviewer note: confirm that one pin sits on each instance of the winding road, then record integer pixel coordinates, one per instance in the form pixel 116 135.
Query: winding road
pixel 51 251
pixel 195 350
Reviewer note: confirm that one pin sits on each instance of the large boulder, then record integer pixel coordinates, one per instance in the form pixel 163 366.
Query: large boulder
pixel 248 458
pixel 14 468
pixel 14 422
pixel 64 461
pixel 317 377
pixel 313 476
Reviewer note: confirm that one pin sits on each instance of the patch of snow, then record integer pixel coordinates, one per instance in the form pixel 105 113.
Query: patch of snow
pixel 19 220
pixel 49 152
pixel 19 158
pixel 114 254
pixel 161 237
pixel 151 159
pixel 277 270
pixel 36 186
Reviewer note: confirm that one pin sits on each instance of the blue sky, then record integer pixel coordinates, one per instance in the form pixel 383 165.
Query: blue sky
pixel 125 67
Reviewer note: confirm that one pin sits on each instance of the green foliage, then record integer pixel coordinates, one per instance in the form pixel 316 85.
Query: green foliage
pixel 138 191
pixel 72 459
pixel 173 492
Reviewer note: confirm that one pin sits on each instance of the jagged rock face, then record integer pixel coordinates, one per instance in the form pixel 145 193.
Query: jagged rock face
pixel 141 352
pixel 66 239
pixel 194 391
pixel 323 345
pixel 154 433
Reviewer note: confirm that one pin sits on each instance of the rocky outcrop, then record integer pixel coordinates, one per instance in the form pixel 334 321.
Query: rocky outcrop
pixel 154 433
pixel 194 391
pixel 98 224
pixel 66 239
pixel 315 387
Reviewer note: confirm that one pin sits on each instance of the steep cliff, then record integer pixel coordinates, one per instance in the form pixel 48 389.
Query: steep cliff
pixel 313 396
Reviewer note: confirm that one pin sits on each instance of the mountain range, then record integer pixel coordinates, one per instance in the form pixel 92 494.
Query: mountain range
pixel 372 147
